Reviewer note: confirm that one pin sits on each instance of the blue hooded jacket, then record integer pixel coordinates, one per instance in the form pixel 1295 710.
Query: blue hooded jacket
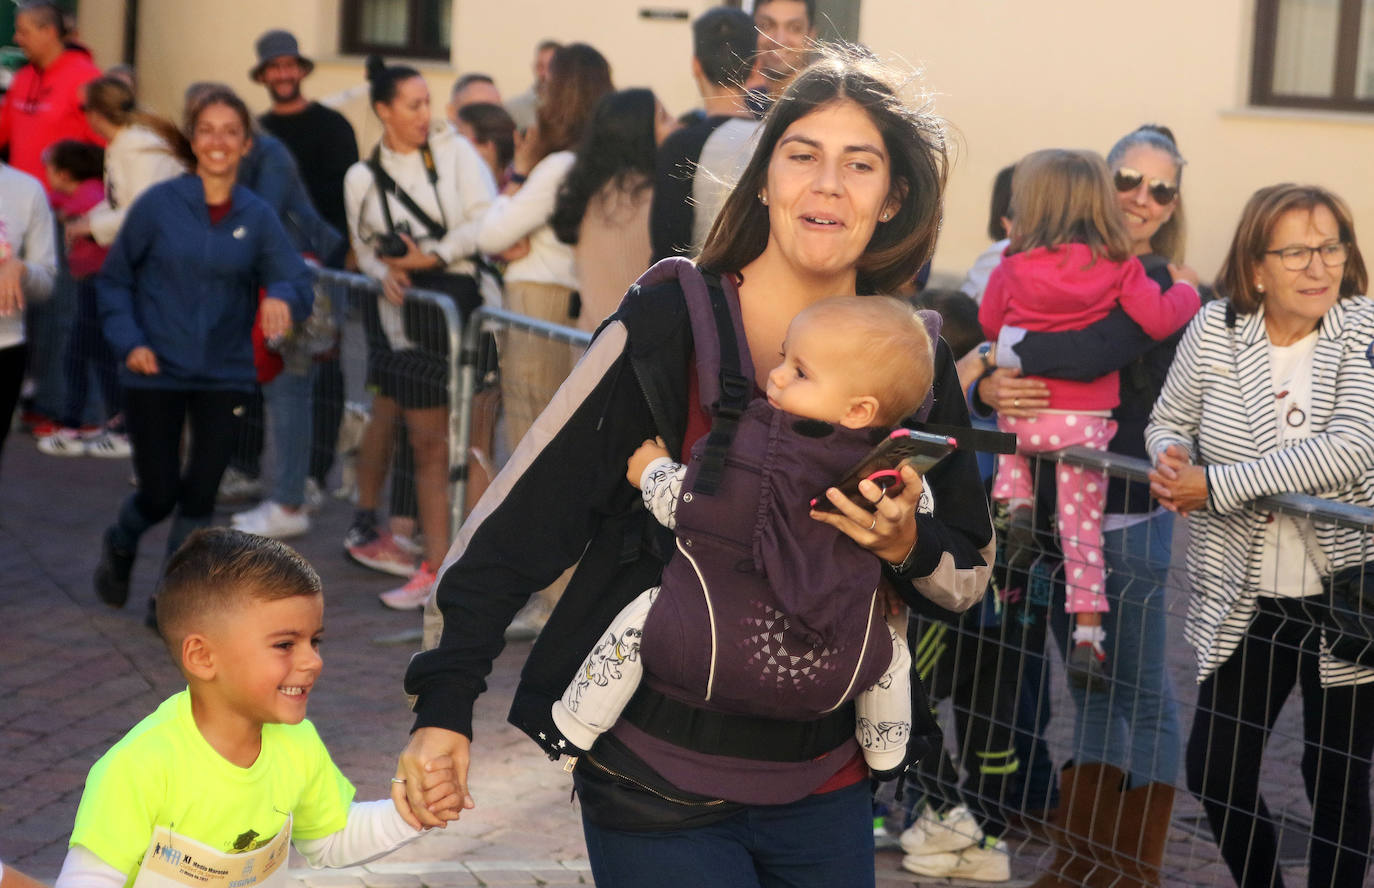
pixel 188 289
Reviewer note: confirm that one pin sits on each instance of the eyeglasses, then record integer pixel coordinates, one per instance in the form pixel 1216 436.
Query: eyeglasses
pixel 1299 258
pixel 1127 179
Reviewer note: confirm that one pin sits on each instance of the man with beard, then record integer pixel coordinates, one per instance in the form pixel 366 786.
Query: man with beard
pixel 320 138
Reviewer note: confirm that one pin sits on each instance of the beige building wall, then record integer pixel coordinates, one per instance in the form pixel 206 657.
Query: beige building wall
pixel 1011 77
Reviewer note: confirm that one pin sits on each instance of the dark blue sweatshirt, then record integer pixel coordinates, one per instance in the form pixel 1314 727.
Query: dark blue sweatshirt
pixel 188 289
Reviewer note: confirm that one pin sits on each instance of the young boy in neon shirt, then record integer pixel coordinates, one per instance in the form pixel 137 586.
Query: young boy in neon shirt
pixel 212 787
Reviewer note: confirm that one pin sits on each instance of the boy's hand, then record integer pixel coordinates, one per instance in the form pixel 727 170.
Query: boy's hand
pixel 640 459
pixel 441 789
pixel 431 751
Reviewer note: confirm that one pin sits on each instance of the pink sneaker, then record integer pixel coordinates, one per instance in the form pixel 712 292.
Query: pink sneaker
pixel 413 594
pixel 383 553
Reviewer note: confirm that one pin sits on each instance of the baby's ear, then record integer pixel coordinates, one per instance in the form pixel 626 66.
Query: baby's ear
pixel 862 413
pixel 198 656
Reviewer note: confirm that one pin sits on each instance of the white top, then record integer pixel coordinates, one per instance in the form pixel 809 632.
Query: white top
pixel 135 160
pixel 464 190
pixel 26 230
pixel 1286 567
pixel 526 213
pixel 724 155
pixel 976 281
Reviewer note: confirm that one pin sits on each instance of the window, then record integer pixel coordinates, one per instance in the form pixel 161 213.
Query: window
pixel 1314 54
pixel 415 28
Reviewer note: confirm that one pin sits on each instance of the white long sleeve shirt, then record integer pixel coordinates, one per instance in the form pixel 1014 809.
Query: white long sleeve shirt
pixel 135 160
pixel 26 231
pixel 464 190
pixel 526 213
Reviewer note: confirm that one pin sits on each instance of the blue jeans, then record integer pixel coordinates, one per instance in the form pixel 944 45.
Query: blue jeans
pixel 288 399
pixel 1134 725
pixel 825 841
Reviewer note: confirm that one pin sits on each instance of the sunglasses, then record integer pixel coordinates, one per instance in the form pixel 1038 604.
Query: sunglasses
pixel 1127 179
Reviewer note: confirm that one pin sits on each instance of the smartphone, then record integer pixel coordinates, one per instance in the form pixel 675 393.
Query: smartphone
pixel 920 450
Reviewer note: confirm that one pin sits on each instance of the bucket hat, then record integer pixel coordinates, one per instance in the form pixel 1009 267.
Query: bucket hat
pixel 274 45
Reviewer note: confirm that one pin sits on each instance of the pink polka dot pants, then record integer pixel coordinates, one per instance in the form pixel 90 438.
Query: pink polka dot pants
pixel 1081 495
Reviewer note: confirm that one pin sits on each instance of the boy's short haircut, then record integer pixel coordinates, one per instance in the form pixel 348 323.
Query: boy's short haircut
pixel 810 10
pixel 467 80
pixel 219 568
pixel 959 313
pixel 894 357
pixel 80 160
pixel 724 42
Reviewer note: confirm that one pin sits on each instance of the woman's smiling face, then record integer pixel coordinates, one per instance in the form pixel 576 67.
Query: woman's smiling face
pixel 829 186
pixel 1143 215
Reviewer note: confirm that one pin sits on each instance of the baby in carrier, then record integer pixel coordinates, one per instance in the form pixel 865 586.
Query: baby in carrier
pixel 766 611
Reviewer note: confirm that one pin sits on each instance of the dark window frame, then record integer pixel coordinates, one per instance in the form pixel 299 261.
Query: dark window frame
pixel 351 41
pixel 1342 96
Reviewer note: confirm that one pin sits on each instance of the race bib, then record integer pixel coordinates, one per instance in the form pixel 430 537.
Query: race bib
pixel 174 861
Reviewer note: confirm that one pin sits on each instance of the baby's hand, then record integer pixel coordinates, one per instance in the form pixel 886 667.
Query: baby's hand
pixel 640 459
pixel 1184 273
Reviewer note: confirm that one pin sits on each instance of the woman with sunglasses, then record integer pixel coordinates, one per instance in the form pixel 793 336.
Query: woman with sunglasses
pixel 1134 728
pixel 1271 392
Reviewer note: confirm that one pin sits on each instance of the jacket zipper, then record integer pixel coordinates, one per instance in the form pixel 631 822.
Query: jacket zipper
pixel 649 789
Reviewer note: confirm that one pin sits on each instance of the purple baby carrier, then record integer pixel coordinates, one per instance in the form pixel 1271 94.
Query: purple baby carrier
pixel 764 610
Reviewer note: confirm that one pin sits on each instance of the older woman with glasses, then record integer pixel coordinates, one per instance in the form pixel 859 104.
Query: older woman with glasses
pixel 1272 392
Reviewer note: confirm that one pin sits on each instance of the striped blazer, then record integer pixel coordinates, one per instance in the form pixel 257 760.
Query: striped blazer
pixel 1218 404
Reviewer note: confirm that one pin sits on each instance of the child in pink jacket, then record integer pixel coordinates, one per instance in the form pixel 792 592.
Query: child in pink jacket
pixel 1069 263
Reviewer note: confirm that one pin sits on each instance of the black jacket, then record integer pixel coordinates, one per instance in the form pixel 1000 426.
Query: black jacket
pixel 563 497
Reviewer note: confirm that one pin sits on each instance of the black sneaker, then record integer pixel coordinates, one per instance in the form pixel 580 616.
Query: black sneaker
pixel 362 531
pixel 113 571
pixel 1086 667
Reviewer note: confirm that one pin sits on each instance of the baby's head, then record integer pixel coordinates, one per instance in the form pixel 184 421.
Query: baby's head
pixel 855 361
pixel 242 616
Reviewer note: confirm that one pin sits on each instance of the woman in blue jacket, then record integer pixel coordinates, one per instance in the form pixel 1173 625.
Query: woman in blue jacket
pixel 178 296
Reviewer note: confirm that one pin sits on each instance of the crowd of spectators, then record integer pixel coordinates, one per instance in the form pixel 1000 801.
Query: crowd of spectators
pixel 1079 324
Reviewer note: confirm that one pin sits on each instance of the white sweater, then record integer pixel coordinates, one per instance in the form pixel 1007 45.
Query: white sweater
pixel 526 212
pixel 135 160
pixel 26 231
pixel 465 190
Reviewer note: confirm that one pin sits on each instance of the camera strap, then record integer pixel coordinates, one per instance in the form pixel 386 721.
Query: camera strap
pixel 387 184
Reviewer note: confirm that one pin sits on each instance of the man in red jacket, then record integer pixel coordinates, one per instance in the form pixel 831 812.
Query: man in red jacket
pixel 43 104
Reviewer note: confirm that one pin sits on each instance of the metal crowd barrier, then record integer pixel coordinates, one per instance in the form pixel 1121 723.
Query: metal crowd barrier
pixel 1009 718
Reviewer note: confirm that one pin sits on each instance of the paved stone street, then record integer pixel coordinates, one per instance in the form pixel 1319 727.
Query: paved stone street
pixel 75 675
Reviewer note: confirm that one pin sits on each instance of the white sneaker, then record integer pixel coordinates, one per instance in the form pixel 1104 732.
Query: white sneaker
pixel 935 833
pixel 109 445
pixel 272 520
pixel 63 442
pixel 236 487
pixel 988 861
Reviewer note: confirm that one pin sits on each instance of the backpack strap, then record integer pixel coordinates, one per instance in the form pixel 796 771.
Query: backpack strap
pixel 733 389
pixel 934 324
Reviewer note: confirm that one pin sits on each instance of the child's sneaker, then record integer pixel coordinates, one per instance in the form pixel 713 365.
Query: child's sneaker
pixel 63 442
pixel 933 833
pixel 413 594
pixel 107 444
pixel 385 554
pixel 1086 667
pixel 987 861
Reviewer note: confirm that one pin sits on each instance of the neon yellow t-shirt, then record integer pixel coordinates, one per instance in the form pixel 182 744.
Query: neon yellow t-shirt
pixel 164 773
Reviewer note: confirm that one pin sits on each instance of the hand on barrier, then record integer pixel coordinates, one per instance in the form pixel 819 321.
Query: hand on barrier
pixel 394 285
pixel 889 530
pixel 1179 485
pixel 431 783
pixel 142 360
